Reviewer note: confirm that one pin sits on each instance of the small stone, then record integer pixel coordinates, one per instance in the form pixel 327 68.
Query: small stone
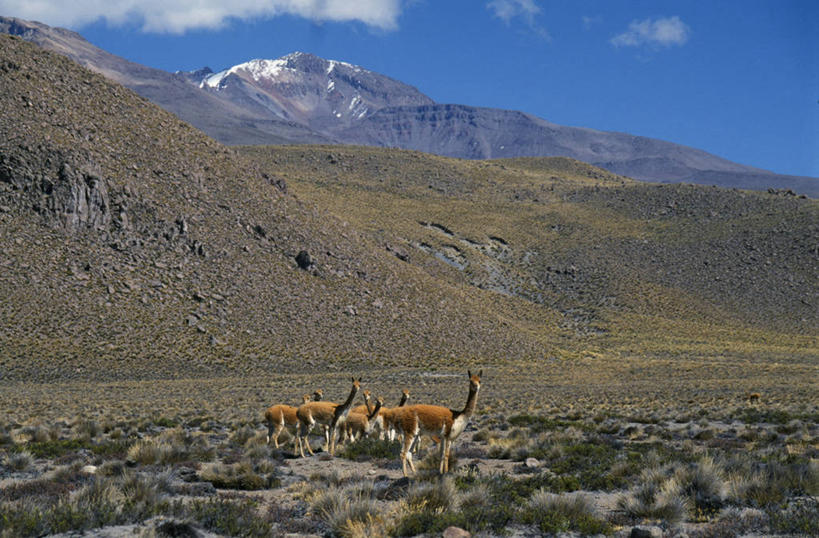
pixel 646 532
pixel 304 260
pixel 89 469
pixel 532 463
pixel 456 532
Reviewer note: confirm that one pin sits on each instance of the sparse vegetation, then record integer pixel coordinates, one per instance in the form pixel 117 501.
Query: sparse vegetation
pixel 144 340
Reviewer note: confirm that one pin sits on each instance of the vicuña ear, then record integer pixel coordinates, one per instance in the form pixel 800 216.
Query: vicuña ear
pixel 353 378
pixel 480 372
pixel 469 373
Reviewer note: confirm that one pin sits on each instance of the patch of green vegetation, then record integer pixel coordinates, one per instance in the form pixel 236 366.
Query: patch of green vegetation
pixel 799 519
pixel 224 516
pixel 61 447
pixel 368 448
pixel 554 514
pixel 166 422
pixel 242 476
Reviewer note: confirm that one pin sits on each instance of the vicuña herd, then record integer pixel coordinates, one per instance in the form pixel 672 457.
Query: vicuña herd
pixel 348 423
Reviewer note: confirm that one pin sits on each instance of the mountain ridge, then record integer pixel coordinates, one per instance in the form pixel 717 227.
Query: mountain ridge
pixel 313 108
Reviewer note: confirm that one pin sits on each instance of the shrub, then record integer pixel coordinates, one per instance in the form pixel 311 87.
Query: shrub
pixel 87 429
pixel 236 476
pixel 347 510
pixel 224 516
pixel 703 483
pixel 562 513
pixel 241 436
pixel 20 461
pixel 656 497
pixel 172 446
pixel 437 495
pixel 800 518
pixel 368 448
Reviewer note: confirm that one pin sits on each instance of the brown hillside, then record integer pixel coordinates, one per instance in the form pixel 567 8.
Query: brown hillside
pixel 135 246
pixel 625 265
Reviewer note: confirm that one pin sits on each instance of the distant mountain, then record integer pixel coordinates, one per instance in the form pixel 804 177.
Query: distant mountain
pixel 323 94
pixel 301 98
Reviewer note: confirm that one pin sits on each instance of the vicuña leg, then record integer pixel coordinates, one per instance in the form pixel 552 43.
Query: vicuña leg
pixel 406 454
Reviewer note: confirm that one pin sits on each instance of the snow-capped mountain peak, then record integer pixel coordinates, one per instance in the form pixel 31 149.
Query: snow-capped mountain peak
pixel 308 89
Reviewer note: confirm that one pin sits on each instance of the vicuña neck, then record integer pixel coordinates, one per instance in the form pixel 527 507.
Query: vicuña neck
pixel 471 401
pixel 349 400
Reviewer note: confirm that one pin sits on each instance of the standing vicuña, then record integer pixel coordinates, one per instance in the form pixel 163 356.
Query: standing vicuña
pixel 325 413
pixel 416 420
pixel 279 417
pixel 359 424
pixel 385 421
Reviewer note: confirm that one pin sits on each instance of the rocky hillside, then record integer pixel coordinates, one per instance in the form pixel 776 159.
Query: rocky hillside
pixel 301 98
pixel 486 133
pixel 133 246
pixel 611 255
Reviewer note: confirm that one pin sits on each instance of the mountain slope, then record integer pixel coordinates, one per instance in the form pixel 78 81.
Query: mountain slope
pixel 305 99
pixel 485 133
pixel 615 257
pixel 324 94
pixel 121 226
pixel 219 118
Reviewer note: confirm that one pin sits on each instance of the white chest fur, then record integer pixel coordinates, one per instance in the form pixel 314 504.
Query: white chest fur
pixel 458 426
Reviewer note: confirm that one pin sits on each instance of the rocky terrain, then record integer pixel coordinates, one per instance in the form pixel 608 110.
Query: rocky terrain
pixel 561 234
pixel 120 225
pixel 301 98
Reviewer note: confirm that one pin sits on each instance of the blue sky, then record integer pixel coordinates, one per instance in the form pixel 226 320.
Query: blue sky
pixel 739 79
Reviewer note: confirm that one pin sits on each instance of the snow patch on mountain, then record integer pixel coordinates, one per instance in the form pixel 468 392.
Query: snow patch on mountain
pixel 258 69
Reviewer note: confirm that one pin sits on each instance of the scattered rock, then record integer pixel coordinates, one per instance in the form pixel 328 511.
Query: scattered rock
pixel 89 469
pixel 646 532
pixel 455 532
pixel 177 529
pixel 261 232
pixel 397 489
pixel 304 260
pixel 531 463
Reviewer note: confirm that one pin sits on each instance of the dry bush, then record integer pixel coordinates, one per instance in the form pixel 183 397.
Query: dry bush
pixel 554 514
pixel 349 510
pixel 19 461
pixel 240 475
pixel 656 497
pixel 171 446
pixel 434 495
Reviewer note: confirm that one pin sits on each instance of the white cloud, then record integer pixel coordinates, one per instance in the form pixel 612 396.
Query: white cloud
pixel 664 32
pixel 178 16
pixel 508 10
pixel 590 22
